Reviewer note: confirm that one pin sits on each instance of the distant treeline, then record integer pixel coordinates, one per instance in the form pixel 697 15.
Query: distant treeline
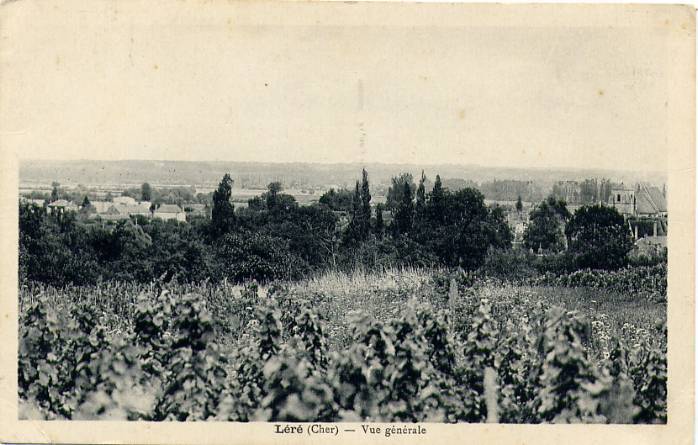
pixel 275 238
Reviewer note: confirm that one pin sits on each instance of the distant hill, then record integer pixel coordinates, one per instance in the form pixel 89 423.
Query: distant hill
pixel 292 175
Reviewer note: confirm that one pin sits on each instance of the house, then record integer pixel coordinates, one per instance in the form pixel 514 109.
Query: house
pixel 170 211
pixel 113 213
pixel 36 202
pixel 101 206
pixel 61 206
pixel 196 209
pixel 123 212
pixel 124 200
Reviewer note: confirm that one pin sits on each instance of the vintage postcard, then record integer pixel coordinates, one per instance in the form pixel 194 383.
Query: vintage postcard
pixel 346 222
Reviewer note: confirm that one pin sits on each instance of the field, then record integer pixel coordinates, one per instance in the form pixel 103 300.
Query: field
pixel 396 345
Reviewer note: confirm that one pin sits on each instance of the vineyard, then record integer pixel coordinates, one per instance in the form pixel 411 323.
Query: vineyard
pixel 399 345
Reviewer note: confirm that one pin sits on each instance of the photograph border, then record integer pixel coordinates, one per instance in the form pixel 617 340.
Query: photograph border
pixel 680 109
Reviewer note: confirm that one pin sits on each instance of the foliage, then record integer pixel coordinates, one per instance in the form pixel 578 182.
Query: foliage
pixel 599 238
pixel 646 282
pixel 418 349
pixel 546 228
pixel 222 214
pixel 337 200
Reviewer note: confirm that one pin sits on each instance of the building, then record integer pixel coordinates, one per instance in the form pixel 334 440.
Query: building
pixel 101 206
pixel 170 211
pixel 123 212
pixel 196 209
pixel 124 200
pixel 623 200
pixel 61 206
pixel 650 201
pixel 645 201
pixel 36 202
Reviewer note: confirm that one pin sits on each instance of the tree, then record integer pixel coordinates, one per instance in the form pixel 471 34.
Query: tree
pixel 223 212
pixel 365 221
pixel 396 190
pixel 255 255
pixel 85 202
pixel 421 202
pixel 500 235
pixel 354 233
pixel 55 192
pixel 273 190
pixel 462 229
pixel 436 201
pixel 337 200
pixel 519 205
pixel 545 229
pixel 146 192
pixel 599 238
pixel 404 214
pixel 379 228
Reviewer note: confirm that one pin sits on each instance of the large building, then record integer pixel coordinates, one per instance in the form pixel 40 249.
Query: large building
pixel 644 201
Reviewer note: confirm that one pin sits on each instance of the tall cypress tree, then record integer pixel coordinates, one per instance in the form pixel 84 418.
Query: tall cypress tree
pixel 379 229
pixel 365 227
pixel 421 203
pixel 436 201
pixel 352 236
pixel 223 212
pixel 404 215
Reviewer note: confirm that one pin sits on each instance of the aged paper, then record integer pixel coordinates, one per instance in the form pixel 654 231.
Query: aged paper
pixel 536 88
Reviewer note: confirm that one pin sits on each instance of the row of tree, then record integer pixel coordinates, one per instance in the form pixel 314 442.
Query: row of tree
pixel 275 238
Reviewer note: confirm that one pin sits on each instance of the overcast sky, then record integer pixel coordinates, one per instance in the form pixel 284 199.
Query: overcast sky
pixel 111 84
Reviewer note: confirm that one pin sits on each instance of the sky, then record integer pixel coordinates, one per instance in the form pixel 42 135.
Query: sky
pixel 426 86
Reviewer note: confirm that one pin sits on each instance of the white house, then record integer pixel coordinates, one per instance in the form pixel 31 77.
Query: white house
pixel 124 200
pixel 170 211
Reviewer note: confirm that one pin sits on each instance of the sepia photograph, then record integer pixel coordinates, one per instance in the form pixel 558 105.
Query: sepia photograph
pixel 321 220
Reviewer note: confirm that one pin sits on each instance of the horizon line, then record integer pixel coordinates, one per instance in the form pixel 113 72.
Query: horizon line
pixel 358 163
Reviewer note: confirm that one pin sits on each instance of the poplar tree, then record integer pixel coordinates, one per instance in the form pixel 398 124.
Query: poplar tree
pixel 365 221
pixel 421 203
pixel 437 201
pixel 223 212
pixel 404 215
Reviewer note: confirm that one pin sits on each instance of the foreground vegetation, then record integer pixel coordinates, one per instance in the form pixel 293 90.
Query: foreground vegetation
pixel 146 319
pixel 401 345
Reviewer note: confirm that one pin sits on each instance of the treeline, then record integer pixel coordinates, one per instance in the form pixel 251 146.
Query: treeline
pixel 275 238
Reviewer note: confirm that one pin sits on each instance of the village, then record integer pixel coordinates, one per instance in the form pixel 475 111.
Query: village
pixel 643 206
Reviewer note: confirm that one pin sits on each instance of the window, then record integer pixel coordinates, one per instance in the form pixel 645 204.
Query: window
pixel 618 199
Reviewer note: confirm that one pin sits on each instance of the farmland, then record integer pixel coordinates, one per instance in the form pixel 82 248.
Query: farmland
pixel 396 345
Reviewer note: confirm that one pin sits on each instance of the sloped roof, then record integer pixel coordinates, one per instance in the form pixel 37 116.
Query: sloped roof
pixel 124 199
pixel 60 203
pixel 133 209
pixel 650 200
pixel 126 210
pixel 169 208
